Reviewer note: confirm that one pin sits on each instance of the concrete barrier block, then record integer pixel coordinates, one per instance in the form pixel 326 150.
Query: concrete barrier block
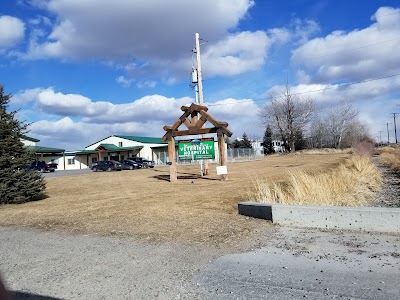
pixel 256 210
pixel 377 219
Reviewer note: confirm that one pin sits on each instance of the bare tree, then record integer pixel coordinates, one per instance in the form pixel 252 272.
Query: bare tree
pixel 330 127
pixel 355 132
pixel 339 120
pixel 288 114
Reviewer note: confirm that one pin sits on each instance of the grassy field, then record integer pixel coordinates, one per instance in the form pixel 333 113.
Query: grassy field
pixel 390 156
pixel 144 204
pixel 353 183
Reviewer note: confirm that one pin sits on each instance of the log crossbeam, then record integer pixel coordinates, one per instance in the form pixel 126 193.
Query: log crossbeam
pixel 198 117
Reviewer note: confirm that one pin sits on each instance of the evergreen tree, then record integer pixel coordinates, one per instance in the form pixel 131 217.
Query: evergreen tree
pixel 16 184
pixel 237 144
pixel 300 142
pixel 267 141
pixel 245 141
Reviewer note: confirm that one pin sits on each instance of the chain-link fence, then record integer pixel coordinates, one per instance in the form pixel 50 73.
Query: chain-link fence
pixel 236 154
pixel 244 154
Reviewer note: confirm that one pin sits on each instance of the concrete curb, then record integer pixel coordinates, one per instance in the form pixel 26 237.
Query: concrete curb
pixel 378 219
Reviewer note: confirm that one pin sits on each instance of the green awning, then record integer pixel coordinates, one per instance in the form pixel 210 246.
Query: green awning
pixel 112 147
pixel 41 149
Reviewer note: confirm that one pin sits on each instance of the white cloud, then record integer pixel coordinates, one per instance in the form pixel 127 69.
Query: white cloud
pixel 74 105
pixel 146 84
pixel 125 82
pixel 236 54
pixel 304 29
pixel 12 31
pixel 241 114
pixel 137 29
pixel 334 93
pixel 84 121
pixel 356 55
pixel 153 37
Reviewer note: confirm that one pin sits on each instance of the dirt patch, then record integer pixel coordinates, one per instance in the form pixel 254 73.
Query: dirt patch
pixel 141 203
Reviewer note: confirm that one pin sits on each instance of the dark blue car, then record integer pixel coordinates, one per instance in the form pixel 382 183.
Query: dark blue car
pixel 131 165
pixel 40 166
pixel 107 165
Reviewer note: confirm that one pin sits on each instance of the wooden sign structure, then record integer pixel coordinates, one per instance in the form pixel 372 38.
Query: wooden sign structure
pixel 194 117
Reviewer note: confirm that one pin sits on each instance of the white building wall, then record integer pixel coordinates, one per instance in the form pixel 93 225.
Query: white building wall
pixel 28 143
pixel 71 163
pixel 145 152
pixel 114 140
pixel 258 149
pixel 81 161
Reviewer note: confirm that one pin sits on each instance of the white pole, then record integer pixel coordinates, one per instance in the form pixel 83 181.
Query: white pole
pixel 199 76
pixel 200 93
pixel 196 88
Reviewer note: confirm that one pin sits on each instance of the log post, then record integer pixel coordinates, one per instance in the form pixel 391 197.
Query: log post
pixel 222 152
pixel 171 156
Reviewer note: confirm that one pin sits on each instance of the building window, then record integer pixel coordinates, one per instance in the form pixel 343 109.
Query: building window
pixel 94 159
pixel 119 144
pixel 71 161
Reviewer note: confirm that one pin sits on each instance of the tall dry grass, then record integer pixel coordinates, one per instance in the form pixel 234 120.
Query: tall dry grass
pixel 351 184
pixel 322 151
pixel 390 156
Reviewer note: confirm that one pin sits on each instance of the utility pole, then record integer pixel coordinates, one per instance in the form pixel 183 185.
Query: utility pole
pixel 395 130
pixel 380 137
pixel 199 75
pixel 200 91
pixel 387 128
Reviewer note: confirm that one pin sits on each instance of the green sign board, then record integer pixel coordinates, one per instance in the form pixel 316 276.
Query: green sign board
pixel 196 149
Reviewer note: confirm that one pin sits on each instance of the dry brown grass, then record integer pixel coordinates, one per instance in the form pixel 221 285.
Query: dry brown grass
pixel 324 151
pixel 353 183
pixel 390 156
pixel 143 204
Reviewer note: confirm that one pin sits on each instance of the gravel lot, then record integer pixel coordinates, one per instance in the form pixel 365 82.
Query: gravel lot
pixel 284 264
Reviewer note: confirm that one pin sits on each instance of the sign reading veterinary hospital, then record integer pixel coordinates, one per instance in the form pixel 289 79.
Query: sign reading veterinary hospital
pixel 188 150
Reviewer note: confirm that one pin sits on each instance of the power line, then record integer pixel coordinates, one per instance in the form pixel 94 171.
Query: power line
pixel 314 91
pixel 351 49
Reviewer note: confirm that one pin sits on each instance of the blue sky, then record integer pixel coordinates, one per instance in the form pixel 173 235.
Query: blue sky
pixel 81 70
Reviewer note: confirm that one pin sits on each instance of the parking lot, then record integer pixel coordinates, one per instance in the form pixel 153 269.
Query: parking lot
pixel 62 173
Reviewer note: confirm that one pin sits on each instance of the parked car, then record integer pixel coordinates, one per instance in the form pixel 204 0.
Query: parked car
pixel 144 162
pixel 40 166
pixel 107 165
pixel 131 165
pixel 53 165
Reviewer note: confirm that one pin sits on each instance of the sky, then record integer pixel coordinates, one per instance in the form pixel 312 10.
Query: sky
pixel 82 70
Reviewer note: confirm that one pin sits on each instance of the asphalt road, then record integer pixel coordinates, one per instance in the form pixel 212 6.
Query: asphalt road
pixel 61 173
pixel 291 264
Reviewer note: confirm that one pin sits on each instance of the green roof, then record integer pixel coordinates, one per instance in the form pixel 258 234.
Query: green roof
pixel 25 137
pixel 108 146
pixel 40 149
pixel 116 148
pixel 81 152
pixel 142 139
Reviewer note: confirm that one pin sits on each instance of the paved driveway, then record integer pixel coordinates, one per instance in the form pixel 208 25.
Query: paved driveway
pixel 291 264
pixel 60 173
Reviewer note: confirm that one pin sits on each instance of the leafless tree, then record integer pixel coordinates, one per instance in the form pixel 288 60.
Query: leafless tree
pixel 336 127
pixel 288 114
pixel 355 132
pixel 339 120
